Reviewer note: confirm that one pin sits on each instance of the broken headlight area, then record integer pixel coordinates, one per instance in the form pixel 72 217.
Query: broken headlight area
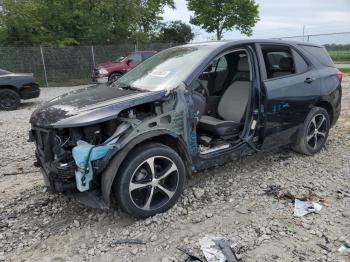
pixel 72 158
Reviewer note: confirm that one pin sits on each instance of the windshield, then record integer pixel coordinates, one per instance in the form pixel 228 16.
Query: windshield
pixel 165 70
pixel 4 72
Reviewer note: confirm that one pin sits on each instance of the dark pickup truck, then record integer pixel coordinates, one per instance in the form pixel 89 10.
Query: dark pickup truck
pixel 14 87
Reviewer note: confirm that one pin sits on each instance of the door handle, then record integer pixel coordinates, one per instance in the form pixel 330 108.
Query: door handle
pixel 309 80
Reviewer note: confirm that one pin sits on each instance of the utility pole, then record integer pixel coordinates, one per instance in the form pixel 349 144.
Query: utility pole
pixel 303 33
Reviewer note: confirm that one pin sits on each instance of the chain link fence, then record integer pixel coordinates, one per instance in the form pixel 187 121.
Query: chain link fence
pixel 73 65
pixel 68 65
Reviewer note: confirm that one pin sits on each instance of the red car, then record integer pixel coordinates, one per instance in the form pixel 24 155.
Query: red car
pixel 111 71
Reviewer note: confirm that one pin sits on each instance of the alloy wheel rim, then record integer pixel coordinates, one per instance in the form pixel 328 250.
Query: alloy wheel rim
pixel 317 132
pixel 154 183
pixel 7 100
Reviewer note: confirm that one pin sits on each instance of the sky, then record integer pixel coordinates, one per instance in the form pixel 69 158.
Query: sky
pixel 280 18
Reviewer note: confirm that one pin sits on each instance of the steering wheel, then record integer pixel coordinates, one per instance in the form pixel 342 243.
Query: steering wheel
pixel 198 87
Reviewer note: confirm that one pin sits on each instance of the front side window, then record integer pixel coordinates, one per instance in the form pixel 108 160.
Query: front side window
pixel 278 60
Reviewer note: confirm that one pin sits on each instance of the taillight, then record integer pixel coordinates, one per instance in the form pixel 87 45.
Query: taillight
pixel 27 85
pixel 340 75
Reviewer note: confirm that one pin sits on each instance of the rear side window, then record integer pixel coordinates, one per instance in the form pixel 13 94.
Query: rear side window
pixel 320 54
pixel 278 60
pixel 301 65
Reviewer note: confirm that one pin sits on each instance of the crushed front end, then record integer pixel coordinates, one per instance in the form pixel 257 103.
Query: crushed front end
pixel 55 147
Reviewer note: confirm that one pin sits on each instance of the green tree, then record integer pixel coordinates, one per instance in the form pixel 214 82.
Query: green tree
pixel 77 22
pixel 174 32
pixel 224 15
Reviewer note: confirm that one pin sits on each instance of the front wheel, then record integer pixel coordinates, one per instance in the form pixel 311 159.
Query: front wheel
pixel 114 77
pixel 150 180
pixel 314 133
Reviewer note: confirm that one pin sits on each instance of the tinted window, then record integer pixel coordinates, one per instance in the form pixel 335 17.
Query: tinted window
pixel 319 53
pixel 147 55
pixel 136 57
pixel 300 63
pixel 278 60
pixel 222 64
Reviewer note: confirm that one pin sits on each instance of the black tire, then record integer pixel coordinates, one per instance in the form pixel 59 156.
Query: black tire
pixel 314 132
pixel 135 185
pixel 113 77
pixel 9 99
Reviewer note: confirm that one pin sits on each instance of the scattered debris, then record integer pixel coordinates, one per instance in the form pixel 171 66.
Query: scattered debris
pixel 191 257
pixel 128 242
pixel 302 208
pixel 277 192
pixel 344 248
pixel 325 247
pixel 217 249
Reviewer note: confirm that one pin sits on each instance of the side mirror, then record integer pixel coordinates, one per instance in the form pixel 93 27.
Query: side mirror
pixel 120 59
pixel 129 61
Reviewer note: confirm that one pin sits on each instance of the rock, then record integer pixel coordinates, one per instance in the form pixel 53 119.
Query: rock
pixel 91 251
pixel 209 215
pixel 153 238
pixel 198 192
pixel 76 223
pixel 134 251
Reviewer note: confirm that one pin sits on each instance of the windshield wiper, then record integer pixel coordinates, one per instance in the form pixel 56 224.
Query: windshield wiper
pixel 118 85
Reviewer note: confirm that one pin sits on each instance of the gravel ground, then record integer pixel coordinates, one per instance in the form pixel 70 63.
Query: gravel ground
pixel 228 201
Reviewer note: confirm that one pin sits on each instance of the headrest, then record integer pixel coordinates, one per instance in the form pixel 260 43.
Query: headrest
pixel 286 64
pixel 243 64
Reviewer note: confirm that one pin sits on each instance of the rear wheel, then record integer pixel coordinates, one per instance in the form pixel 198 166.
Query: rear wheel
pixel 150 180
pixel 9 100
pixel 314 133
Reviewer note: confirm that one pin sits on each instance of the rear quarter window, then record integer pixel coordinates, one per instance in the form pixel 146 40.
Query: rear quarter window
pixel 320 54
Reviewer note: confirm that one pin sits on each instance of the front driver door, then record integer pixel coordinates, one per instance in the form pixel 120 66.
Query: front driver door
pixel 291 87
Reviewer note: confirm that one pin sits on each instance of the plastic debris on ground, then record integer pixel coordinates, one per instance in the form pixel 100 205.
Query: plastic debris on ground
pixel 344 248
pixel 302 205
pixel 302 208
pixel 217 249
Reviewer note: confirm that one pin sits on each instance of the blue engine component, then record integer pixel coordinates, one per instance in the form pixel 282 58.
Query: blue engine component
pixel 84 153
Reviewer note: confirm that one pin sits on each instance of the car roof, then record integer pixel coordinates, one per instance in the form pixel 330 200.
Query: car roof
pixel 222 43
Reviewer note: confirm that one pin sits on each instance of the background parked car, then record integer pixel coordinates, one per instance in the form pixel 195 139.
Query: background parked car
pixel 111 71
pixel 14 87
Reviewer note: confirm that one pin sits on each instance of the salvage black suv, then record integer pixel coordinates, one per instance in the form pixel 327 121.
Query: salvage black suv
pixel 134 141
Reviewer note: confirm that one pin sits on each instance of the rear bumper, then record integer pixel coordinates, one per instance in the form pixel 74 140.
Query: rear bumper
pixel 29 93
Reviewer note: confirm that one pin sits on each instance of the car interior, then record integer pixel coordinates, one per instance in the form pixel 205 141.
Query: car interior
pixel 221 95
pixel 279 61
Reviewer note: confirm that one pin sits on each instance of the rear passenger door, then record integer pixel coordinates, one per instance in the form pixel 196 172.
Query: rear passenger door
pixel 291 86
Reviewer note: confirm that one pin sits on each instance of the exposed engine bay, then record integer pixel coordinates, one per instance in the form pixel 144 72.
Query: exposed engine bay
pixel 72 156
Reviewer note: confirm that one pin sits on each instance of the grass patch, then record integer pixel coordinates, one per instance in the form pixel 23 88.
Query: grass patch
pixel 340 56
pixel 345 70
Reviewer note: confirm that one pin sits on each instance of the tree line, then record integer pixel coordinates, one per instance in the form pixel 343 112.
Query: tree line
pixel 102 22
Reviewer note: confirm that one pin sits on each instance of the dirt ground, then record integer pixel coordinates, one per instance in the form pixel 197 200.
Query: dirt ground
pixel 228 201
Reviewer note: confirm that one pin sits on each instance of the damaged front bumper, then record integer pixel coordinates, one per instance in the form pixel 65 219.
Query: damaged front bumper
pixel 81 165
